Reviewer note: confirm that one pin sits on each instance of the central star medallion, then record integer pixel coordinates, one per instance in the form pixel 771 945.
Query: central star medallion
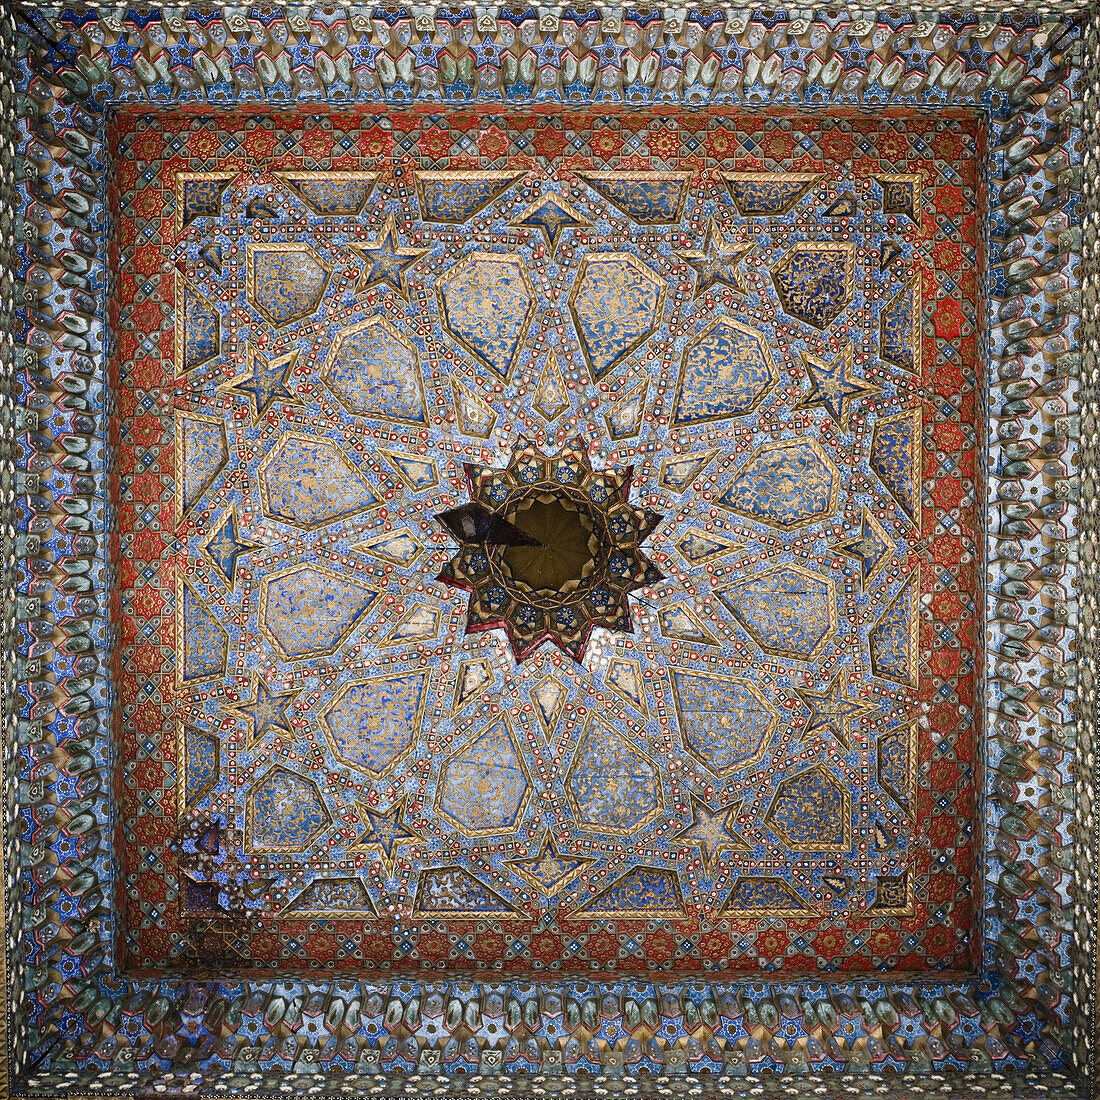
pixel 550 549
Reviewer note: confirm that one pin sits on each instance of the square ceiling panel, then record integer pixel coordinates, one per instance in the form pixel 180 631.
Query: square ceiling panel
pixel 541 550
pixel 549 541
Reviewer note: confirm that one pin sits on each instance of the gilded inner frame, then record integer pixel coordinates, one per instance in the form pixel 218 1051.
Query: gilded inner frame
pixel 77 1022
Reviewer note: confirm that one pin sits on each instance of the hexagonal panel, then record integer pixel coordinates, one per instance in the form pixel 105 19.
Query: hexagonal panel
pixel 788 611
pixel 486 304
pixel 810 812
pixel 725 371
pixel 286 282
pixel 786 485
pixel 372 724
pixel 725 723
pixel 616 305
pixel 308 611
pixel 815 280
pixel 309 482
pixel 284 813
pixel 483 788
pixel 612 786
pixel 374 371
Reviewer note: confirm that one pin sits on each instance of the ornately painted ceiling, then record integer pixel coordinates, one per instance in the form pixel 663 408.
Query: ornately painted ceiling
pixel 718 714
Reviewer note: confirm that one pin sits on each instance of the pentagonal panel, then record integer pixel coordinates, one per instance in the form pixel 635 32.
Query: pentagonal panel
pixel 788 610
pixel 786 484
pixel 810 812
pixel 616 305
pixel 486 304
pixel 374 371
pixel 815 280
pixel 892 641
pixel 612 786
pixel 372 724
pixel 896 459
pixel 308 482
pixel 725 371
pixel 483 788
pixel 724 722
pixel 284 813
pixel 286 282
pixel 308 612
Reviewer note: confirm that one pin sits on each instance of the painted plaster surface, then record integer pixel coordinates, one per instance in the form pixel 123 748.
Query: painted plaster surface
pixel 743 347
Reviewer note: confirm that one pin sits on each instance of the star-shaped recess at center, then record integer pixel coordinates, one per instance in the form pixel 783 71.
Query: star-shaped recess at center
pixel 551 215
pixel 265 710
pixel 832 710
pixel 383 833
pixel 716 261
pixel 711 832
pixel 832 385
pixel 385 262
pixel 265 382
pixel 582 560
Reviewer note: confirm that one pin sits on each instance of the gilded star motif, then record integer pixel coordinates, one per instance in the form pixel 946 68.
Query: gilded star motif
pixel 551 215
pixel 265 710
pixel 832 385
pixel 385 262
pixel 711 832
pixel 383 833
pixel 716 261
pixel 224 934
pixel 265 382
pixel 831 709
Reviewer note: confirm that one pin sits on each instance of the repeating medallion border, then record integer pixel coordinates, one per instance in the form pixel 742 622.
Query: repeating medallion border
pixel 1030 1010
